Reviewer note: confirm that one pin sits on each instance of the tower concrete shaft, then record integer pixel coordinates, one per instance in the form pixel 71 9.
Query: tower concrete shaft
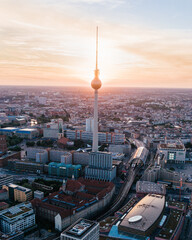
pixel 95 132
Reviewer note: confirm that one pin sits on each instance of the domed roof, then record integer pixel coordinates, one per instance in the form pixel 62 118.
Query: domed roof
pixel 96 83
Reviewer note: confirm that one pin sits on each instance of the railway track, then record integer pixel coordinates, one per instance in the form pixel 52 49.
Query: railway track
pixel 121 196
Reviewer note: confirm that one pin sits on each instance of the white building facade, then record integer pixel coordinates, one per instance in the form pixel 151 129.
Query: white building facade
pixel 17 218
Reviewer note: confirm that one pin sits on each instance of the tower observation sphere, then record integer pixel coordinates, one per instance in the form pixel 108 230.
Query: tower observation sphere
pixel 96 82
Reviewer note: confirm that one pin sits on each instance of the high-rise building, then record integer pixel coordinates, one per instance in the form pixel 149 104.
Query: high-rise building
pixel 83 229
pixel 89 125
pixel 100 167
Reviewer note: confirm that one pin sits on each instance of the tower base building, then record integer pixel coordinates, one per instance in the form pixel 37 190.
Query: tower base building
pixel 100 167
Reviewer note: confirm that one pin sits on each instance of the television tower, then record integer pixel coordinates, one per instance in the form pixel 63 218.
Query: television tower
pixel 96 84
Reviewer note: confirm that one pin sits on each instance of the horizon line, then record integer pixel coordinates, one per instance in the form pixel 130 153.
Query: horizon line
pixel 83 86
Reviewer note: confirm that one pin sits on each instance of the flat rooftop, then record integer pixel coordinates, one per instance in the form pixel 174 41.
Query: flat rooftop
pixel 8 129
pixel 80 228
pixel 107 223
pixel 171 224
pixel 150 187
pixel 20 188
pixel 178 205
pixel 27 130
pixel 115 234
pixel 144 214
pixel 172 146
pixel 11 213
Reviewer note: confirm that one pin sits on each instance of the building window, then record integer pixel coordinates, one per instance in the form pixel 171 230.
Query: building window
pixel 171 156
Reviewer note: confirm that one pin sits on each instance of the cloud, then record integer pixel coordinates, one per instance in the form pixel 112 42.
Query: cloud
pixel 53 42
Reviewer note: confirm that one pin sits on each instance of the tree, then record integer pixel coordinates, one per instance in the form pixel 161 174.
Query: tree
pixel 78 143
pixel 30 144
pixel 188 145
pixel 16 149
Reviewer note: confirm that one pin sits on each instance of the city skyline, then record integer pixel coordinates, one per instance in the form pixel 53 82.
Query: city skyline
pixel 52 43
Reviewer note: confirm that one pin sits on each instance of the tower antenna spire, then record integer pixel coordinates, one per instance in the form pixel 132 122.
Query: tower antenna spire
pixel 97 48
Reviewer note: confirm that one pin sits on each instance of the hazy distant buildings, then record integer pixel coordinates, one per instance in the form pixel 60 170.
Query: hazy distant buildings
pixel 42 100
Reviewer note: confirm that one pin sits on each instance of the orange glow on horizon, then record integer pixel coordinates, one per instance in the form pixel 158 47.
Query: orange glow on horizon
pixel 59 49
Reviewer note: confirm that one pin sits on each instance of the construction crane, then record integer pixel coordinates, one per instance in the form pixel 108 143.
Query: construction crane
pixel 180 182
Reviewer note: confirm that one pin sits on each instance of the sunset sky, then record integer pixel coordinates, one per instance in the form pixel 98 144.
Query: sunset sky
pixel 142 43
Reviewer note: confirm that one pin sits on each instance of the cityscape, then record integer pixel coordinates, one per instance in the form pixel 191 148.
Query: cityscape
pixel 104 158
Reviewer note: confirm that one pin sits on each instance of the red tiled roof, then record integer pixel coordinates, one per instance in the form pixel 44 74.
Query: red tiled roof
pixel 73 185
pixel 92 190
pixel 86 196
pixel 63 140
